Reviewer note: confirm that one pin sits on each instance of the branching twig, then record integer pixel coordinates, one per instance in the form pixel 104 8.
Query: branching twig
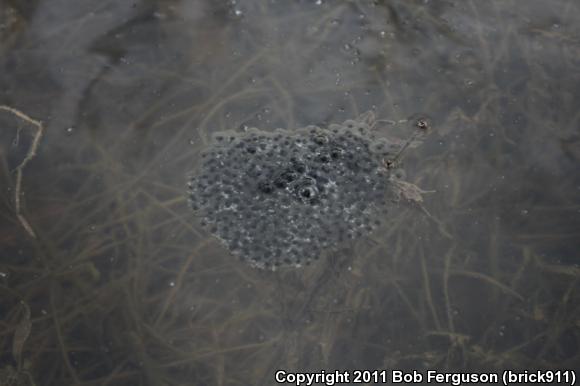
pixel 29 156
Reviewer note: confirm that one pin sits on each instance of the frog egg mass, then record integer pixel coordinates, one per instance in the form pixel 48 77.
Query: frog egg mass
pixel 283 198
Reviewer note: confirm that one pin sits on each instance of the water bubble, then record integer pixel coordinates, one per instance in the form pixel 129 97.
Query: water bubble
pixel 502 329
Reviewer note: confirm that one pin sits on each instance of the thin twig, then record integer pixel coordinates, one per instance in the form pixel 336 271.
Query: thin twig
pixel 29 156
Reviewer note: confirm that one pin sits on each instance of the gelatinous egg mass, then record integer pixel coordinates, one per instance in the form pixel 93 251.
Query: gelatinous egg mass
pixel 282 198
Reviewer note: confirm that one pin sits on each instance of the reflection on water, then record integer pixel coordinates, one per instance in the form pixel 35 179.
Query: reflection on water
pixel 124 287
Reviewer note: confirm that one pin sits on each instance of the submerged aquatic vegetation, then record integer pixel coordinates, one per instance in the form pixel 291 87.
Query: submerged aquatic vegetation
pixel 283 198
pixel 18 375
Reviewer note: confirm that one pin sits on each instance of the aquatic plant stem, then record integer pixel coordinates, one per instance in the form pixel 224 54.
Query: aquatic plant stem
pixel 19 169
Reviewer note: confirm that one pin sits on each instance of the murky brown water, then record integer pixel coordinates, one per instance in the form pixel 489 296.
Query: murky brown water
pixel 125 288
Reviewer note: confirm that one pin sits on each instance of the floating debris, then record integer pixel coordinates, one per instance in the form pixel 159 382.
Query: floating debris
pixel 282 198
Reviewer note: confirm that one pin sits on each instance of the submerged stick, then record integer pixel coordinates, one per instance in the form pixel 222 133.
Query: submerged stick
pixel 29 156
pixel 21 334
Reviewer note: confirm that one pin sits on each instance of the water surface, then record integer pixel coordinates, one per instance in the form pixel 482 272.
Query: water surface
pixel 125 288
